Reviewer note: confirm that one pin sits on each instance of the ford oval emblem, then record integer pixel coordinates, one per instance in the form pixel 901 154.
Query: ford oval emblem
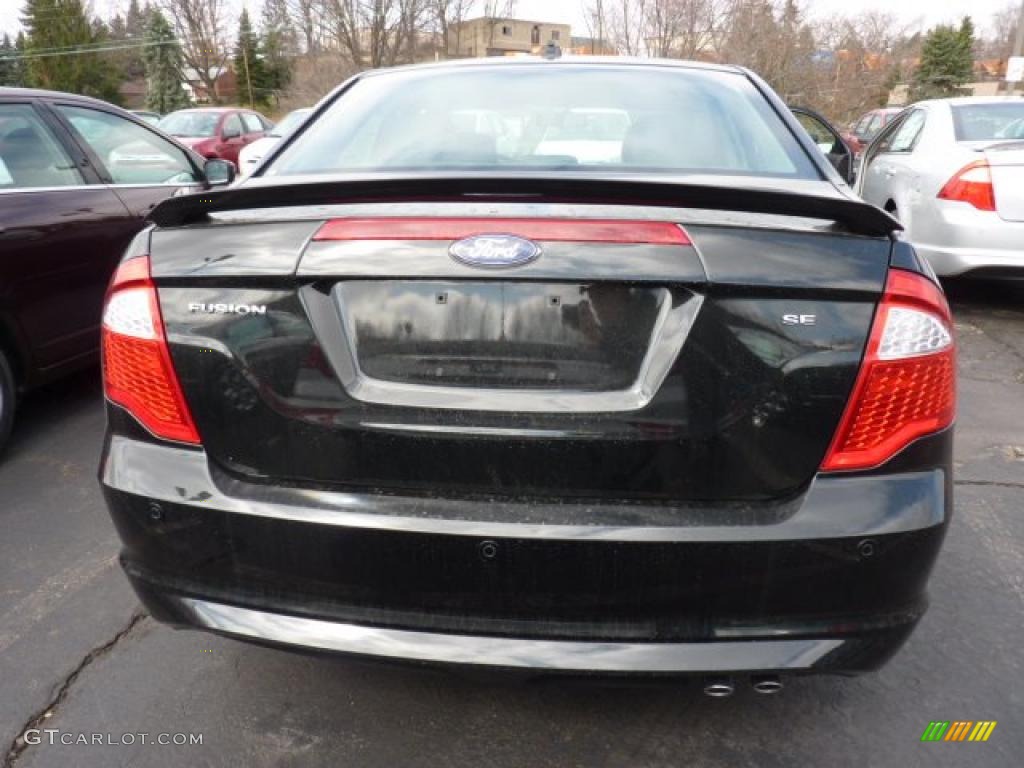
pixel 494 251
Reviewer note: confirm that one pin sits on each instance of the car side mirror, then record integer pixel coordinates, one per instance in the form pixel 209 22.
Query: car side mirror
pixel 231 133
pixel 219 173
pixel 828 140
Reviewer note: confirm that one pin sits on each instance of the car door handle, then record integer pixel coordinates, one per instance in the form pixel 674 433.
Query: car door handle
pixel 889 172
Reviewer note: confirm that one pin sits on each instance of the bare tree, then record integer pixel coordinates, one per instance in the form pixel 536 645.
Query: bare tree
pixel 375 33
pixel 627 26
pixel 200 26
pixel 308 19
pixel 682 28
pixel 315 76
pixel 1004 31
pixel 448 16
pixel 595 16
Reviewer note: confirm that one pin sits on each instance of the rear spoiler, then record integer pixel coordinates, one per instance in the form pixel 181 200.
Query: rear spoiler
pixel 827 202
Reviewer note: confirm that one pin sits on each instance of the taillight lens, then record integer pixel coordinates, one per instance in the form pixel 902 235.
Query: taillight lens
pixel 906 387
pixel 137 370
pixel 972 184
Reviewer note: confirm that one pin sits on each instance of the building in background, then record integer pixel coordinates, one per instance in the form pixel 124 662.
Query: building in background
pixel 505 37
pixel 133 93
pixel 225 87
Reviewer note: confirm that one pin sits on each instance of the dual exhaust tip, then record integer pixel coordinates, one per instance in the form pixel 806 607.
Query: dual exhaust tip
pixel 720 687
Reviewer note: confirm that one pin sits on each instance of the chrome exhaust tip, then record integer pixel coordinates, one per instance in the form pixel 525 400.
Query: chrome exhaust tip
pixel 766 683
pixel 719 687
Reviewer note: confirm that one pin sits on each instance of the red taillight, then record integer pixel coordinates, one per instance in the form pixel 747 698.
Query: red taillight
pixel 972 184
pixel 906 387
pixel 137 370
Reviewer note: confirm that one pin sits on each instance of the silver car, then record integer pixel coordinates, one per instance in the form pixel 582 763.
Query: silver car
pixel 952 171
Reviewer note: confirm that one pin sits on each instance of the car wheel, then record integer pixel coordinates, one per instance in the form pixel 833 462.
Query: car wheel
pixel 7 397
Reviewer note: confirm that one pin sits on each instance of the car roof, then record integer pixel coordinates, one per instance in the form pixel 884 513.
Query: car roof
pixel 539 61
pixel 38 93
pixel 959 101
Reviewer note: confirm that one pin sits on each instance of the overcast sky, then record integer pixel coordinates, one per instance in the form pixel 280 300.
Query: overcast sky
pixel 925 12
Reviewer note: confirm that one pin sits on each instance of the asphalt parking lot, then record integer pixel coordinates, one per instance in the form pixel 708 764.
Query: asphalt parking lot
pixel 76 654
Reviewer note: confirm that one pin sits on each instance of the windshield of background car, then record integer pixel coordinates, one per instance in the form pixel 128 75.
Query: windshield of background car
pixel 562 116
pixel 989 122
pixel 289 122
pixel 190 124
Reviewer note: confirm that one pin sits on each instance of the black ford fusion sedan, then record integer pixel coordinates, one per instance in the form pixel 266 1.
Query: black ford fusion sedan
pixel 581 365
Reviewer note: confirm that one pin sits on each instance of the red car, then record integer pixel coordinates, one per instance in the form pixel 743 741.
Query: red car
pixel 867 127
pixel 219 132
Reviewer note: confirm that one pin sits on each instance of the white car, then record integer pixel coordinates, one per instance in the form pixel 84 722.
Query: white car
pixel 952 172
pixel 251 155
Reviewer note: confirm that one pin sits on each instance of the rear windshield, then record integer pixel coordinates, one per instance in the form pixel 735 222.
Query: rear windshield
pixel 190 123
pixel 989 122
pixel 529 117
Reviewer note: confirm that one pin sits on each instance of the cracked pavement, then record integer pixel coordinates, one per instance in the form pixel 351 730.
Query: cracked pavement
pixel 76 656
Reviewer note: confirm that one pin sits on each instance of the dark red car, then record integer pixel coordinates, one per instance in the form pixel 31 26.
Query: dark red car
pixel 78 177
pixel 216 131
pixel 867 126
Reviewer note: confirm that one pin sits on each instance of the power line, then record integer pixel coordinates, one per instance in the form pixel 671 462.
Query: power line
pixel 75 52
pixel 85 46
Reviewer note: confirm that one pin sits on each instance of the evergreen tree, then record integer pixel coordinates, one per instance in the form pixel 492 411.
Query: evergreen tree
pixel 62 25
pixel 163 62
pixel 947 62
pixel 279 43
pixel 250 69
pixel 9 65
pixel 20 65
pixel 128 30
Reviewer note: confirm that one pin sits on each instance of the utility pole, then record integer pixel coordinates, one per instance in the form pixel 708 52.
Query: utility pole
pixel 1018 46
pixel 248 78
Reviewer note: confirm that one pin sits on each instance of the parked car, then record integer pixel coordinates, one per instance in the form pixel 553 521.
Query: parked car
pixel 153 118
pixel 251 155
pixel 216 131
pixel 952 171
pixel 77 179
pixel 405 394
pixel 867 126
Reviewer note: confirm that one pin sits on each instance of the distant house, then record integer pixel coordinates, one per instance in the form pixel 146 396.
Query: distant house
pixel 990 69
pixel 225 89
pixel 133 94
pixel 487 36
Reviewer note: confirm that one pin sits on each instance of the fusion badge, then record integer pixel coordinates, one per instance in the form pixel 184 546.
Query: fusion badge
pixel 227 309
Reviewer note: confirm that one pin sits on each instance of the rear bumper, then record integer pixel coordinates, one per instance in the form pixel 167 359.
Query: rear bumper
pixel 777 655
pixel 957 238
pixel 831 581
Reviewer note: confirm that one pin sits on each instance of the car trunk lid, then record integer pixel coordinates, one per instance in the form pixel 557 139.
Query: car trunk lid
pixel 712 366
pixel 1006 164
